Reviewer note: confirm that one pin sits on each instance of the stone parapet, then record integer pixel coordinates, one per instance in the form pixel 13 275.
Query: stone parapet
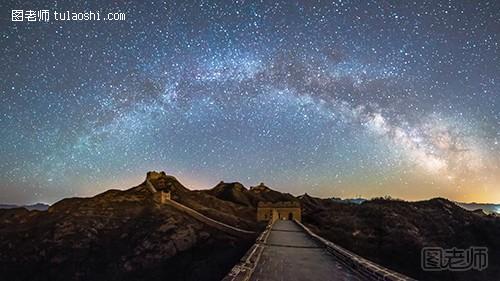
pixel 366 268
pixel 244 269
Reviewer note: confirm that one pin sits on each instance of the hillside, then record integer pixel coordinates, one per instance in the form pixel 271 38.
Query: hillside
pixel 392 233
pixel 235 192
pixel 120 235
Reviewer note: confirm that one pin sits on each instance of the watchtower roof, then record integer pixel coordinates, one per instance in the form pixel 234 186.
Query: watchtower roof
pixel 282 204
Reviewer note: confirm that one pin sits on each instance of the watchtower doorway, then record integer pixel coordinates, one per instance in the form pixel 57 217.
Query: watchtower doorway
pixel 279 211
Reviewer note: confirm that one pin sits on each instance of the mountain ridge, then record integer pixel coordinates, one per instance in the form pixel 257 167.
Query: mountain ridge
pixel 145 239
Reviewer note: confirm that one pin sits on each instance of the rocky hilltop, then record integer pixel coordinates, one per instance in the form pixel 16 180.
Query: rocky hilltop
pixel 237 193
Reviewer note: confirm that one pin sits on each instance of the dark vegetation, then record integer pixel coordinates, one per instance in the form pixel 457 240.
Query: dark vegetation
pixel 392 232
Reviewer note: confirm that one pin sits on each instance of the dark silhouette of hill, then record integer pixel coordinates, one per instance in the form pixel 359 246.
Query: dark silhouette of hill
pixel 267 194
pixel 235 192
pixel 121 235
pixel 393 232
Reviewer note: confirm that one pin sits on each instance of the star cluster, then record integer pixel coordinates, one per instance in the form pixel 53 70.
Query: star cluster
pixel 332 98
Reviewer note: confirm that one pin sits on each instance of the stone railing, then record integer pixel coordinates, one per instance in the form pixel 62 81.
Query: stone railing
pixel 366 268
pixel 244 269
pixel 150 186
pixel 211 222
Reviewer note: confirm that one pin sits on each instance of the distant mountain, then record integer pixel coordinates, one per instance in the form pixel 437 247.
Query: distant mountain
pixel 8 206
pixel 349 200
pixel 393 232
pixel 237 193
pixel 233 192
pixel 37 206
pixel 123 235
pixel 264 193
pixel 487 208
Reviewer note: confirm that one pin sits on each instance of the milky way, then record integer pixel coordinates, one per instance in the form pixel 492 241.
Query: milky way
pixel 344 98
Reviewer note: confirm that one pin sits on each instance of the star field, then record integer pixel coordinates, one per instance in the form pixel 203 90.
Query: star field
pixel 340 98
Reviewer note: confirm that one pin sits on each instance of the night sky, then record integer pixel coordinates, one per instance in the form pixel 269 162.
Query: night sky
pixel 334 98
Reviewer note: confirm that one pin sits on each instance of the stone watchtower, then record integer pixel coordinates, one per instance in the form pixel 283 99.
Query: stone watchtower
pixel 287 210
pixel 161 196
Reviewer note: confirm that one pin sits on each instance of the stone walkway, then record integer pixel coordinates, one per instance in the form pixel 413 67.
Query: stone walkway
pixel 291 255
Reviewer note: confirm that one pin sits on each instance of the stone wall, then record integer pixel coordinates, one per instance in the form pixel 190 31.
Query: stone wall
pixel 244 269
pixel 211 222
